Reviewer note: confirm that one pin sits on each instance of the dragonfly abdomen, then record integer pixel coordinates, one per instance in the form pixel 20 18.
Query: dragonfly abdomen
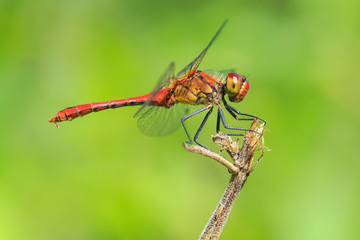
pixel 71 113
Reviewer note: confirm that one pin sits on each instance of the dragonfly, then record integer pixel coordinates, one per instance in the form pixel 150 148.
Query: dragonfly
pixel 164 106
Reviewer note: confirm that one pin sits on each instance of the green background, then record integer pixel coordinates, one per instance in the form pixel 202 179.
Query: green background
pixel 99 178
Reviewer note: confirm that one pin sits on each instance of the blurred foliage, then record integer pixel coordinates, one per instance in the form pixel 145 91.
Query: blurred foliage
pixel 99 178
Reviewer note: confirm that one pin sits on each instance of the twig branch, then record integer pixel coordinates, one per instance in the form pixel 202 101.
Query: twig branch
pixel 210 154
pixel 240 171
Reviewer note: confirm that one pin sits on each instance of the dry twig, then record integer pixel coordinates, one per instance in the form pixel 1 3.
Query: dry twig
pixel 240 171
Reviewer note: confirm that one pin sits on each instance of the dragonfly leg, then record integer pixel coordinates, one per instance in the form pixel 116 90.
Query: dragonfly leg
pixel 201 126
pixel 218 124
pixel 190 115
pixel 220 112
pixel 236 117
pixel 231 110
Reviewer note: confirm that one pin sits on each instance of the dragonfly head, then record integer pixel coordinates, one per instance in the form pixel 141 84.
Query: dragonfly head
pixel 236 87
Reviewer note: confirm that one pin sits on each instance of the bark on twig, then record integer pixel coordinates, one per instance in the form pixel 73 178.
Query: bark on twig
pixel 240 171
pixel 215 156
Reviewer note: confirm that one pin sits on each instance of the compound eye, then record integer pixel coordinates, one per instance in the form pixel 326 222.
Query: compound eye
pixel 233 84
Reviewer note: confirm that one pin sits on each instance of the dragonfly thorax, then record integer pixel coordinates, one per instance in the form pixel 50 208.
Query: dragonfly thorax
pixel 200 89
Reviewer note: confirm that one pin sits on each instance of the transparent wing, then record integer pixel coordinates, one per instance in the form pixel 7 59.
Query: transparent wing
pixel 190 69
pixel 157 121
pixel 167 78
pixel 220 76
pixel 227 71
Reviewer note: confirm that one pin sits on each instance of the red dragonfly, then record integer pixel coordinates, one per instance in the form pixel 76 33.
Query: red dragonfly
pixel 189 87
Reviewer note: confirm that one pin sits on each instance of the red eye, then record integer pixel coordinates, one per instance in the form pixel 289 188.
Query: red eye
pixel 236 87
pixel 233 84
pixel 234 76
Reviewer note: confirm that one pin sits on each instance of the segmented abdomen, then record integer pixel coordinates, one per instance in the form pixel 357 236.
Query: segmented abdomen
pixel 71 113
